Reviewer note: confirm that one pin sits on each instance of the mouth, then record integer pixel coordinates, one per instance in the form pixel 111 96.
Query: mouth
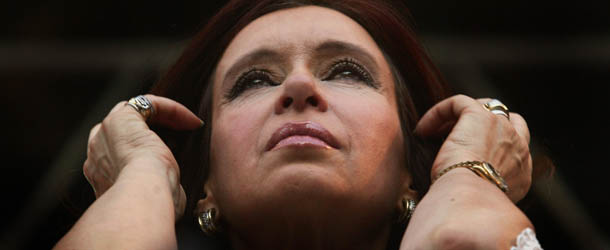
pixel 302 134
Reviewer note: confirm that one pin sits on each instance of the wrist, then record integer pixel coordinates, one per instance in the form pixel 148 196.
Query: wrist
pixel 152 184
pixel 482 169
pixel 462 177
pixel 149 172
pixel 137 206
pixel 478 215
pixel 462 182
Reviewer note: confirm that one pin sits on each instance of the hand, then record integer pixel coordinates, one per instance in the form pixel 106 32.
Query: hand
pixel 475 134
pixel 462 211
pixel 123 142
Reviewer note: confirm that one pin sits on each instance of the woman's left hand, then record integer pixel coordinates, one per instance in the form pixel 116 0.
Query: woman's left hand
pixel 462 210
pixel 476 134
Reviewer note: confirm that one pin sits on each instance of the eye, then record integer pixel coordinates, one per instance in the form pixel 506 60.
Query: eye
pixel 254 78
pixel 349 70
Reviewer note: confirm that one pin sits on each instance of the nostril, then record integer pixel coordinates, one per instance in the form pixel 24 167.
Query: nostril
pixel 313 101
pixel 286 103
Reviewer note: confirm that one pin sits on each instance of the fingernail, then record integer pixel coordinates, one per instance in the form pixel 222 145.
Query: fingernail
pixel 202 123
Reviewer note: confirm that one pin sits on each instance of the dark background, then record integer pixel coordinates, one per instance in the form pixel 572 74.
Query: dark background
pixel 64 64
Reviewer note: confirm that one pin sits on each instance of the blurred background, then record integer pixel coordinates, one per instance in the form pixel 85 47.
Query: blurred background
pixel 65 63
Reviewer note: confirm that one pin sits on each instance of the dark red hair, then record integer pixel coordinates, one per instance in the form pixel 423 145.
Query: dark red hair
pixel 419 84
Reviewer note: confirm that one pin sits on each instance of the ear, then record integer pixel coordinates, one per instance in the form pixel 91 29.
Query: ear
pixel 208 201
pixel 406 190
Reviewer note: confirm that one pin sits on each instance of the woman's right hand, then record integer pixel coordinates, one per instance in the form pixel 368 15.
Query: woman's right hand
pixel 123 143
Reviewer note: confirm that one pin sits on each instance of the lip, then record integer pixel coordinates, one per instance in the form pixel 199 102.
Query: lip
pixel 300 130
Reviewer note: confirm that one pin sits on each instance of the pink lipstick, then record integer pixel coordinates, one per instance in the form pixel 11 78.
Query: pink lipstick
pixel 302 134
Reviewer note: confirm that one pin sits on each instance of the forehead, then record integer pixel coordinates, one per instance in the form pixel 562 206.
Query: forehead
pixel 298 29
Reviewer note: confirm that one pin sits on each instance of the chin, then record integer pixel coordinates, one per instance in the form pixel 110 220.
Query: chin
pixel 305 177
pixel 303 182
pixel 305 170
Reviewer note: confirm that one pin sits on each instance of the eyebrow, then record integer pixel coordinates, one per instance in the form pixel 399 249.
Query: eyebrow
pixel 257 56
pixel 335 47
pixel 328 48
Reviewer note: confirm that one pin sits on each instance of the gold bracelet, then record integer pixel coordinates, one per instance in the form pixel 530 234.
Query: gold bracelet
pixel 483 169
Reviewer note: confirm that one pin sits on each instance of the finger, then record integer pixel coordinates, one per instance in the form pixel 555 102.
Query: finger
pixel 173 114
pixel 168 113
pixel 520 126
pixel 93 132
pixel 181 206
pixel 516 120
pixel 117 107
pixel 445 128
pixel 484 101
pixel 100 180
pixel 89 172
pixel 92 137
pixel 97 151
pixel 86 170
pixel 447 111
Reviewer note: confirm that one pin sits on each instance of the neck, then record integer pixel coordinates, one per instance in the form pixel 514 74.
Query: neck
pixel 332 231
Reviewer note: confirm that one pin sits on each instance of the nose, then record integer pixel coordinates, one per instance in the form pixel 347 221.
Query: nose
pixel 300 93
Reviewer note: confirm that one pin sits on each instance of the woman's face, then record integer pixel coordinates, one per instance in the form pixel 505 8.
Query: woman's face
pixel 304 118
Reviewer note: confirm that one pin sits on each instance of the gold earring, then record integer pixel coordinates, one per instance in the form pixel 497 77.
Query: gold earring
pixel 408 207
pixel 207 222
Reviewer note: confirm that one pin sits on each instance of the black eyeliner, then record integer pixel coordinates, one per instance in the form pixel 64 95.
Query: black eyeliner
pixel 246 80
pixel 352 64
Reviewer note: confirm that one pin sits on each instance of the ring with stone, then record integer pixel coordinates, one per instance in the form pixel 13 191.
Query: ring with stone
pixel 142 105
pixel 497 108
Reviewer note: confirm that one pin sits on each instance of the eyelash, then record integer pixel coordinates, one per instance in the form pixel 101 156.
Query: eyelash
pixel 348 64
pixel 252 78
pixel 256 78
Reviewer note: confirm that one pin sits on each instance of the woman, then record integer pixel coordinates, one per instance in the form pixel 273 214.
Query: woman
pixel 320 122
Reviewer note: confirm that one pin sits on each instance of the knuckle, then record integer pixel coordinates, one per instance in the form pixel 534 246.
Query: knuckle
pixel 484 99
pixel 519 120
pixel 526 148
pixel 106 123
pixel 515 115
pixel 109 120
pixel 168 159
pixel 460 97
pixel 90 150
pixel 150 96
pixel 511 132
pixel 529 166
pixel 87 169
pixel 96 179
pixel 94 130
pixel 92 146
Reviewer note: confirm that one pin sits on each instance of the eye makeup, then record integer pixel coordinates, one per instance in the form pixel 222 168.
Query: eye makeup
pixel 345 70
pixel 348 69
pixel 252 78
pixel 330 61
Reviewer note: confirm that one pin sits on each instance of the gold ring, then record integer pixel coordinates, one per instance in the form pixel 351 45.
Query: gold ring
pixel 497 108
pixel 142 105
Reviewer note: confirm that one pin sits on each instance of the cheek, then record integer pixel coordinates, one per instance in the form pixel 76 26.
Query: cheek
pixel 376 139
pixel 235 136
pixel 372 121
